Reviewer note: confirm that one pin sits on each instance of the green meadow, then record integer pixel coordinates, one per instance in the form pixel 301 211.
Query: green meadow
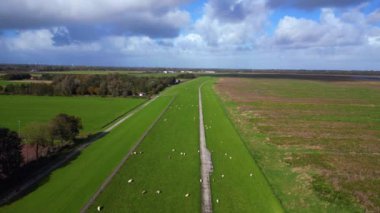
pixel 95 112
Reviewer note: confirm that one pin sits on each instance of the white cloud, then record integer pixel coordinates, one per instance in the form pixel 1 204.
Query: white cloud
pixel 329 31
pixel 374 17
pixel 232 23
pixel 30 40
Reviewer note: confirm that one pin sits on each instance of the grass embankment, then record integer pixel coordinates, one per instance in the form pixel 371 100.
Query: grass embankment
pixel 159 167
pixel 67 189
pixel 316 141
pixel 95 112
pixel 232 183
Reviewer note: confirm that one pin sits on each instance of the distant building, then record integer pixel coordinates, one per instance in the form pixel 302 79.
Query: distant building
pixel 210 72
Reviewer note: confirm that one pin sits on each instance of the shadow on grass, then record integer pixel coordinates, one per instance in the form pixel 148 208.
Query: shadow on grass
pixel 35 174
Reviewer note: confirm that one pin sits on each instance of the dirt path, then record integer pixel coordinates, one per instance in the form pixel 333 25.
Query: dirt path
pixel 109 178
pixel 206 163
pixel 43 172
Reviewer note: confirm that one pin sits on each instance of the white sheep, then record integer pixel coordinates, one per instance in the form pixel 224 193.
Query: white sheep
pixel 130 180
pixel 187 194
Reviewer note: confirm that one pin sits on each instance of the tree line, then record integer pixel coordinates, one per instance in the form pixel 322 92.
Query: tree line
pixel 101 85
pixel 51 136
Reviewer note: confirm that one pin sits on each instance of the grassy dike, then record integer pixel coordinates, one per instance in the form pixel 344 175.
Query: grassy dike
pixel 160 166
pixel 233 187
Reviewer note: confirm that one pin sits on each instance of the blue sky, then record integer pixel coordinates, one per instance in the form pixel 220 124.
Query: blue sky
pixel 253 34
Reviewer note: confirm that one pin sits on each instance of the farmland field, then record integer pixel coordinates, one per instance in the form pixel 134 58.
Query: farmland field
pixel 317 142
pixel 277 145
pixel 95 112
pixel 68 188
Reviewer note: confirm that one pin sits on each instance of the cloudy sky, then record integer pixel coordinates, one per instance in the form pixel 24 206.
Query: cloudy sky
pixel 274 34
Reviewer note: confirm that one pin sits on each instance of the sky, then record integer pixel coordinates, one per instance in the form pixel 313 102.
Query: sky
pixel 250 34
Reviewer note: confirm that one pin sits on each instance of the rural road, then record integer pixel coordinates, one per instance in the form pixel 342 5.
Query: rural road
pixel 206 163
pixel 50 168
pixel 109 178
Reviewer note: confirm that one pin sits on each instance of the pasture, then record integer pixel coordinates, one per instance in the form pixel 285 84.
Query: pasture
pixel 68 188
pixel 316 141
pixel 169 162
pixel 95 112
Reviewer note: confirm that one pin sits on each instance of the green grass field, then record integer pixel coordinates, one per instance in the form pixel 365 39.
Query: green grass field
pixel 322 138
pixel 160 168
pixel 95 112
pixel 232 184
pixel 67 189
pixel 4 83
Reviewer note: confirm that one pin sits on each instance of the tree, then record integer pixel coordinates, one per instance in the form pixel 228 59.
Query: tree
pixel 65 127
pixel 37 134
pixel 10 152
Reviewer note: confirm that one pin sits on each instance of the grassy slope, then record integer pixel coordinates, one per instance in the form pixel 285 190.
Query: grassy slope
pixel 94 111
pixel 237 191
pixel 158 168
pixel 68 188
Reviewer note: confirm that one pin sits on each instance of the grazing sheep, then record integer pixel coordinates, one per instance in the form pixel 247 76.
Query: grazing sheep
pixel 187 194
pixel 99 208
pixel 143 192
pixel 217 200
pixel 200 180
pixel 225 154
pixel 158 192
pixel 130 180
pixel 222 175
pixel 230 158
pixel 134 153
pixel 251 175
pixel 173 150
